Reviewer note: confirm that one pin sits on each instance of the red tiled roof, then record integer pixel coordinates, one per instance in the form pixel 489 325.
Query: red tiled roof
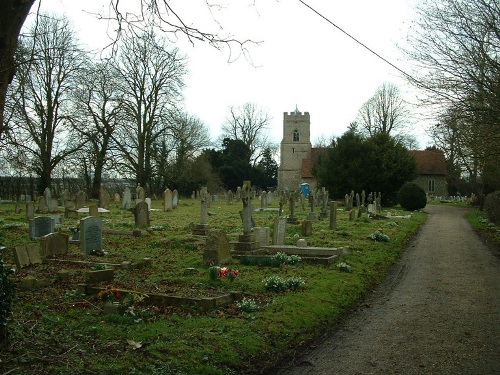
pixel 430 162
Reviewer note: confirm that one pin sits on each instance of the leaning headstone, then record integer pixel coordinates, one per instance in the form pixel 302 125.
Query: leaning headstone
pixel 217 248
pixel 167 200
pixel 90 234
pixel 127 199
pixel 261 235
pixel 41 226
pixel 26 255
pixel 54 244
pixel 141 215
pixel 175 199
pixel 279 231
pixel 30 210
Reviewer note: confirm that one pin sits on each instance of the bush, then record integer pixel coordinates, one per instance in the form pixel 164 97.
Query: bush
pixel 412 197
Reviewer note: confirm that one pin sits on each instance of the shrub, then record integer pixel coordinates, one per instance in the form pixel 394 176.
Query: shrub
pixel 412 197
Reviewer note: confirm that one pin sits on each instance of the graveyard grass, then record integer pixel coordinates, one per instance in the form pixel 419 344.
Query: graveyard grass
pixel 56 329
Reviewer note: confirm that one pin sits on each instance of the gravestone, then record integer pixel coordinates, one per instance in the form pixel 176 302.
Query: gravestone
pixel 54 244
pixel 26 255
pixel 141 193
pixel 90 234
pixel 148 202
pixel 41 226
pixel 175 199
pixel 141 215
pixel 217 248
pixel 30 210
pixel 47 194
pixel 53 205
pixel 80 200
pixel 42 205
pixel 167 200
pixel 104 198
pixel 263 200
pixel 261 235
pixel 127 199
pixel 333 215
pixel 93 210
pixel 306 228
pixel 279 231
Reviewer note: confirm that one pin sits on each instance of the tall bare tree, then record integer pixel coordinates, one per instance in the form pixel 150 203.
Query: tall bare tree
pixel 248 123
pixel 385 112
pixel 97 104
pixel 150 82
pixel 39 125
pixel 158 13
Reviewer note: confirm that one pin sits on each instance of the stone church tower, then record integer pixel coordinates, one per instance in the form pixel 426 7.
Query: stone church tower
pixel 295 148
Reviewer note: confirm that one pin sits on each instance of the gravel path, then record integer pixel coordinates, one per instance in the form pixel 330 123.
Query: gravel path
pixel 437 313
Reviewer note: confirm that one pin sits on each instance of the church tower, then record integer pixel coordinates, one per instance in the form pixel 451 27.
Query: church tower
pixel 295 146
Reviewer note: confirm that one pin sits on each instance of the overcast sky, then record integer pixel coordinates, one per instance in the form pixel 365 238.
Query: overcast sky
pixel 302 61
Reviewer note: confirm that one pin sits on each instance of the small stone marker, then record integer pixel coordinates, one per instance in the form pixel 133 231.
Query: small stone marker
pixel 279 231
pixel 141 215
pixel 217 248
pixel 54 244
pixel 90 234
pixel 40 226
pixel 26 255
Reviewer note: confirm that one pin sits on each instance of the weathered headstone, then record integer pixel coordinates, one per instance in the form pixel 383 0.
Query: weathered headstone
pixel 26 255
pixel 261 235
pixel 279 231
pixel 90 234
pixel 54 244
pixel 30 210
pixel 306 228
pixel 40 226
pixel 141 215
pixel 127 199
pixel 42 205
pixel 217 248
pixel 167 200
pixel 175 199
pixel 104 198
pixel 333 215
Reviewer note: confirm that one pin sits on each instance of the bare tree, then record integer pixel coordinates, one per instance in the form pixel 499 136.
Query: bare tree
pixel 158 13
pixel 97 104
pixel 385 112
pixel 456 44
pixel 150 83
pixel 248 123
pixel 39 125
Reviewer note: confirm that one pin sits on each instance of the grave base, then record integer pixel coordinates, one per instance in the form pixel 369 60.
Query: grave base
pixel 201 229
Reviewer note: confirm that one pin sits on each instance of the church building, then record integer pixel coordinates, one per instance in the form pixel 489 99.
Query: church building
pixel 297 156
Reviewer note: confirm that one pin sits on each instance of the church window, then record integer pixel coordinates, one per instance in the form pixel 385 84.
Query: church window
pixel 431 186
pixel 295 136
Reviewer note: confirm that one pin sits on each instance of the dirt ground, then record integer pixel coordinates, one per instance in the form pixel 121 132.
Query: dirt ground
pixel 437 313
